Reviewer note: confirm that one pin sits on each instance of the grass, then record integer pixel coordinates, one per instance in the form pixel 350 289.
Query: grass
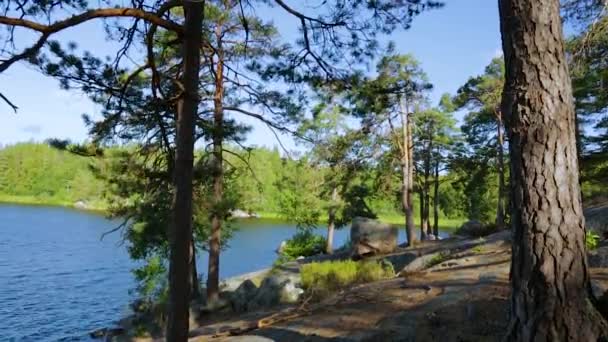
pixel 478 249
pixel 445 224
pixel 438 259
pixel 320 279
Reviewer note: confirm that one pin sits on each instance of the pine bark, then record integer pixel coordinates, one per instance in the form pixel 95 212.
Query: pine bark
pixel 549 273
pixel 406 175
pixel 180 234
pixel 213 276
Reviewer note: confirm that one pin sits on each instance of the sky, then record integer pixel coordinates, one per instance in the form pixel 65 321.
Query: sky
pixel 452 43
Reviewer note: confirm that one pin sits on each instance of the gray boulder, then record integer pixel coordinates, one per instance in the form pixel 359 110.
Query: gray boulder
pixel 240 298
pixel 599 257
pixel 596 219
pixel 472 228
pixel 372 237
pixel 275 290
pixel 282 247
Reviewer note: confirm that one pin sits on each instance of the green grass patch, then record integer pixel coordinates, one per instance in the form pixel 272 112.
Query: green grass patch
pixel 438 258
pixel 320 279
pixel 478 249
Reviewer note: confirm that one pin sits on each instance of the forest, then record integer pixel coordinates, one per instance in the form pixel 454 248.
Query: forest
pixel 170 157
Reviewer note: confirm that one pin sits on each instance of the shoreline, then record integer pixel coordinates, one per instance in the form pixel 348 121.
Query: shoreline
pixel 446 224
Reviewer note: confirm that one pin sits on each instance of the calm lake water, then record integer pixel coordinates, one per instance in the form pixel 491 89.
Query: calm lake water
pixel 59 281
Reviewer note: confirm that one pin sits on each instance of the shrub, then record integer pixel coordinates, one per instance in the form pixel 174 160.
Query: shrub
pixel 591 240
pixel 322 278
pixel 303 243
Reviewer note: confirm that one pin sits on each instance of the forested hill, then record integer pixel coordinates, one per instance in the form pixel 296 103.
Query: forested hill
pixel 36 173
pixel 39 174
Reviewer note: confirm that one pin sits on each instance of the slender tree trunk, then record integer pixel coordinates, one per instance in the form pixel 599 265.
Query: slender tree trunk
pixel 180 234
pixel 500 210
pixel 331 221
pixel 422 221
pixel 427 185
pixel 436 200
pixel 194 283
pixel 409 212
pixel 549 272
pixel 217 214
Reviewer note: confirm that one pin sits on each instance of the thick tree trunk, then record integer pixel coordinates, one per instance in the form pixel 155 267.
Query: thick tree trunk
pixel 549 275
pixel 180 234
pixel 213 276
pixel 500 210
pixel 331 221
pixel 436 200
pixel 409 175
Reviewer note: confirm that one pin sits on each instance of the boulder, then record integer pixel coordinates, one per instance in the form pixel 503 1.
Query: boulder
pixel 596 219
pixel 472 228
pixel 599 257
pixel 372 237
pixel 282 247
pixel 275 290
pixel 241 297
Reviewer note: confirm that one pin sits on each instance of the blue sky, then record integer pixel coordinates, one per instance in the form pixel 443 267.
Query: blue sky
pixel 452 44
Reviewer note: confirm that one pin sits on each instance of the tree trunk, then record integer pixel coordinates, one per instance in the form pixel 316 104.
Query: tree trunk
pixel 195 288
pixel 549 272
pixel 436 200
pixel 427 184
pixel 500 210
pixel 217 214
pixel 422 205
pixel 331 221
pixel 409 175
pixel 180 234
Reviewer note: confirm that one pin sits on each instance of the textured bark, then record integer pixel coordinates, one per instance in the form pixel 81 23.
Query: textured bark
pixel 180 234
pixel 331 221
pixel 500 210
pixel 549 275
pixel 213 276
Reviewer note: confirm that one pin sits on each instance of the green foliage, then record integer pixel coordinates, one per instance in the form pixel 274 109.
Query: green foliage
pixel 592 240
pixel 324 278
pixel 304 243
pixel 298 189
pixel 151 280
pixel 47 175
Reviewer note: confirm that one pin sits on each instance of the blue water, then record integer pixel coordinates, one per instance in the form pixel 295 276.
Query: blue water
pixel 59 281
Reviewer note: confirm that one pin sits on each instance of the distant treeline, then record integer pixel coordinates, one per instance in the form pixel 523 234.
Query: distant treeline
pixel 41 174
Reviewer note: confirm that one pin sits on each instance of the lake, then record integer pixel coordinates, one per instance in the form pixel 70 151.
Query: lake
pixel 59 281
